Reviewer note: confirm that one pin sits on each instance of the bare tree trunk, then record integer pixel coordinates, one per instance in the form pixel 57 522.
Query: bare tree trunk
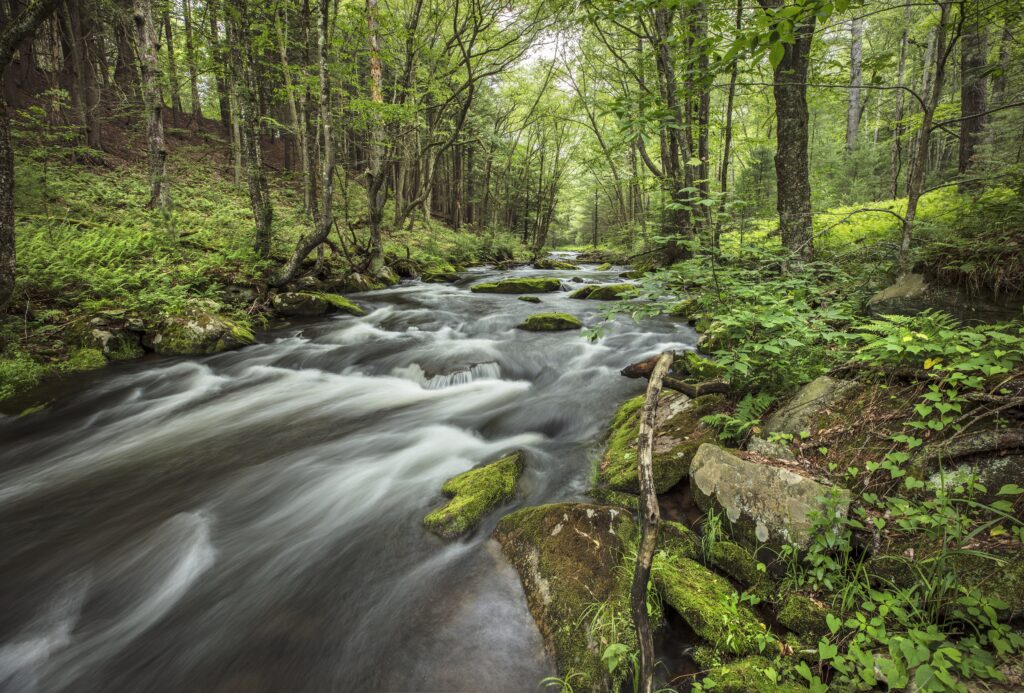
pixel 293 110
pixel 973 82
pixel 855 107
pixel 896 156
pixel 73 27
pixel 172 70
pixel 149 46
pixel 919 162
pixel 14 31
pixel 375 184
pixel 792 170
pixel 727 144
pixel 223 96
pixel 126 76
pixel 190 56
pixel 325 220
pixel 650 516
pixel 244 70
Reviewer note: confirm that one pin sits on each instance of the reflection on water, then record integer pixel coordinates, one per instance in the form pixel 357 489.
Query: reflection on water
pixel 250 521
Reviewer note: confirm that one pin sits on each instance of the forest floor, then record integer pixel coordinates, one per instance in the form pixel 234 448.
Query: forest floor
pixel 90 253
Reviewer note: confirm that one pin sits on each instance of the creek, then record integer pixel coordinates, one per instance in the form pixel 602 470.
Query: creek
pixel 251 521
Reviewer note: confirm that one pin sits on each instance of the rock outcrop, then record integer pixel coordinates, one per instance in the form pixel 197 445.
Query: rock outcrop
pixel 474 494
pixel 813 399
pixel 764 505
pixel 196 333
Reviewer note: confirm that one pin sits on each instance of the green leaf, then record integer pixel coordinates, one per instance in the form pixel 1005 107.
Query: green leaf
pixel 1010 490
pixel 827 650
pixel 776 54
pixel 834 623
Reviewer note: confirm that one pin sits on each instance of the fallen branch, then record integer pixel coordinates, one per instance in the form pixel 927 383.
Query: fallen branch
pixel 649 518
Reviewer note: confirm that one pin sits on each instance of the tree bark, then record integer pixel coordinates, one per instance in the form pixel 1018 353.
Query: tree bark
pixel 172 70
pixel 149 46
pixel 727 143
pixel 649 517
pixel 15 30
pixel 223 96
pixel 896 155
pixel 376 179
pixel 247 98
pixel 973 83
pixel 190 56
pixel 919 162
pixel 856 105
pixel 792 170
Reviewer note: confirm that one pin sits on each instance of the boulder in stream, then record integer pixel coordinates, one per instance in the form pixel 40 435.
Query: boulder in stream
pixel 519 285
pixel 550 322
pixel 678 433
pixel 766 505
pixel 306 304
pixel 602 292
pixel 474 494
pixel 197 333
pixel 529 299
pixel 570 562
pixel 549 263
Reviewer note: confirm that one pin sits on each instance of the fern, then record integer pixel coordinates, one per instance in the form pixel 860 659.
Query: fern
pixel 734 427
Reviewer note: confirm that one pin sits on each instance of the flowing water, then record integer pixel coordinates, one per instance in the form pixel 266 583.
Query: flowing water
pixel 250 521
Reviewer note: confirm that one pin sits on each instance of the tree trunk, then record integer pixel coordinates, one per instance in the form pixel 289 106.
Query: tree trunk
pixel 244 73
pixel 190 56
pixel 896 155
pixel 727 144
pixel 855 106
pixel 325 220
pixel 293 109
pixel 172 70
pixel 15 30
pixel 223 96
pixel 149 46
pixel 973 81
pixel 375 184
pixel 791 160
pixel 919 162
pixel 650 516
pixel 126 76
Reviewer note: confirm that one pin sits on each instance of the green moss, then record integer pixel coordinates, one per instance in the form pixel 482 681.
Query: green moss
pixel 741 565
pixel 340 303
pixel 198 333
pixel 677 541
pixel 553 264
pixel 693 364
pixel 602 292
pixel 571 560
pixel 603 267
pixel 688 309
pixel 474 494
pixel 746 675
pixel 708 603
pixel 803 615
pixel 677 438
pixel 530 299
pixel 543 322
pixel 519 285
pixel 85 359
pixel 18 372
pixel 609 497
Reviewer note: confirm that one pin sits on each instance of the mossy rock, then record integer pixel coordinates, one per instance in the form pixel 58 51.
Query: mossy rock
pixel 549 263
pixel 115 342
pixel 810 403
pixel 603 267
pixel 196 334
pixel 570 561
pixel 741 565
pixel 677 541
pixel 708 603
pixel 803 615
pixel 474 494
pixel 602 292
pixel 356 282
pixel 550 322
pixel 440 277
pixel 747 675
pixel 341 304
pixel 519 285
pixel 606 496
pixel 689 309
pixel 678 433
pixel 308 304
pixel 529 299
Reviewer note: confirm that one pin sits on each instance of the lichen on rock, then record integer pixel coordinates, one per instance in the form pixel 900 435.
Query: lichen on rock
pixel 570 559
pixel 197 333
pixel 474 494
pixel 550 322
pixel 519 285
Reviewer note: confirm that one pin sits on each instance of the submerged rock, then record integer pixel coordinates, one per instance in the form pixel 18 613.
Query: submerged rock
pixel 197 333
pixel 529 299
pixel 546 322
pixel 519 285
pixel 765 505
pixel 602 292
pixel 603 267
pixel 549 263
pixel 474 494
pixel 305 304
pixel 678 433
pixel 810 403
pixel 570 557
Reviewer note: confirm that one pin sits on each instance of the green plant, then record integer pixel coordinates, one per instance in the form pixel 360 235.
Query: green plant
pixel 735 427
